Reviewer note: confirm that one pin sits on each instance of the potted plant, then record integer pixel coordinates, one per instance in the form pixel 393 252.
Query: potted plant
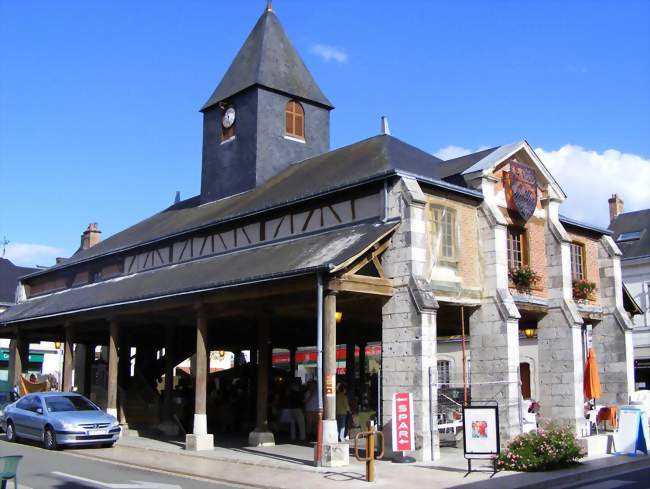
pixel 523 278
pixel 583 289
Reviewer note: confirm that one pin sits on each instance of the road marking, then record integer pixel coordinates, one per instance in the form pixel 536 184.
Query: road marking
pixel 128 485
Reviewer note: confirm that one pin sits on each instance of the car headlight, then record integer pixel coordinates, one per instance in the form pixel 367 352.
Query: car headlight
pixel 68 426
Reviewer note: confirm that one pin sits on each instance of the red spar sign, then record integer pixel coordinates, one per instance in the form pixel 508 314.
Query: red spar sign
pixel 403 437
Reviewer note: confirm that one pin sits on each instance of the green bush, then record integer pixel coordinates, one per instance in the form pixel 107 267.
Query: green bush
pixel 552 448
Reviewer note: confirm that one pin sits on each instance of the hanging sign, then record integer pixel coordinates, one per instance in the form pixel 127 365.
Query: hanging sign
pixel 630 435
pixel 403 435
pixel 521 189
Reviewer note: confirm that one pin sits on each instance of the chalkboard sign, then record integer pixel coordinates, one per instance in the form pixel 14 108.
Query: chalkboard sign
pixel 630 435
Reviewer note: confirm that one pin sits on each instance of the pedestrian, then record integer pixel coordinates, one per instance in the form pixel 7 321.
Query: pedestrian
pixel 311 409
pixel 295 406
pixel 342 411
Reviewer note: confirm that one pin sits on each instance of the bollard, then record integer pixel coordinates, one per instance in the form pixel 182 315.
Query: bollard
pixel 369 459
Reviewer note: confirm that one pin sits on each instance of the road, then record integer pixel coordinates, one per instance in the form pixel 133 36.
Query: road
pixel 43 469
pixel 636 479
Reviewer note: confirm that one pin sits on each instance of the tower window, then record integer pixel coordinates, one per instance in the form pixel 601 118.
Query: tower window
pixel 444 232
pixel 516 248
pixel 228 123
pixel 295 120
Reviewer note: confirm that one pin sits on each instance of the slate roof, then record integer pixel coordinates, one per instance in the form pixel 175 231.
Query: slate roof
pixel 567 221
pixel 364 161
pixel 9 274
pixel 268 58
pixel 629 222
pixel 297 256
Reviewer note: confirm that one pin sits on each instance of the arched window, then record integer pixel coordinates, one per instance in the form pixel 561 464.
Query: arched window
pixel 295 120
pixel 524 376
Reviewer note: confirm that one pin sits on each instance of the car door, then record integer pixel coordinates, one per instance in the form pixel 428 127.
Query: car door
pixel 34 418
pixel 19 416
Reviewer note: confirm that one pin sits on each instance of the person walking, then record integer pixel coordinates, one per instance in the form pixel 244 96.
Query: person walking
pixel 297 414
pixel 342 411
pixel 311 409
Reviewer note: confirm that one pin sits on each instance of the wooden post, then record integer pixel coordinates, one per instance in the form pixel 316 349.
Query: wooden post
pixel 200 439
pixel 350 363
pixel 201 379
pixel 16 353
pixel 261 435
pixel 330 432
pixel 114 331
pixel 292 361
pixel 68 350
pixel 169 371
pixel 362 371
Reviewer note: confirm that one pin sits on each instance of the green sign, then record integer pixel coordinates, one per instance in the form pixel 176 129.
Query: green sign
pixel 33 357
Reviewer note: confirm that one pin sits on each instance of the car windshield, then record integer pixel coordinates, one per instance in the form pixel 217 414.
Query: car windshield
pixel 56 404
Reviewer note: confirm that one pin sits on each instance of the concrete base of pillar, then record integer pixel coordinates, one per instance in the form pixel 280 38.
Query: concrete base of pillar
pixel 195 443
pixel 597 445
pixel 336 454
pixel 261 439
pixel 330 432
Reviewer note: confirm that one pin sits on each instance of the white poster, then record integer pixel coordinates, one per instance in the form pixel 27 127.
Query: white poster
pixel 627 434
pixel 481 430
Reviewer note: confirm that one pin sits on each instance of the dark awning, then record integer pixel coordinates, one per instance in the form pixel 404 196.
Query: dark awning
pixel 629 304
pixel 323 251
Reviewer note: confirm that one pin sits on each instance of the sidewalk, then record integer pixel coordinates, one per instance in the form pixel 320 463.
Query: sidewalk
pixel 289 466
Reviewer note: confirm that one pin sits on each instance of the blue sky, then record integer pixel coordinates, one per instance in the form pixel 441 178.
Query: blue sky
pixel 99 101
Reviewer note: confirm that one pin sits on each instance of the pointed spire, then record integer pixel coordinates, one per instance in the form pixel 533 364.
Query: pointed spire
pixel 384 126
pixel 269 6
pixel 177 199
pixel 268 59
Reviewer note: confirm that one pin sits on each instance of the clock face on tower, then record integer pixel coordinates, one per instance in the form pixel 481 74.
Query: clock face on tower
pixel 228 117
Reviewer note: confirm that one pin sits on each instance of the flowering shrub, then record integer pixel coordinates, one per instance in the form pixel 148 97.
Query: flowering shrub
pixel 582 289
pixel 523 278
pixel 540 450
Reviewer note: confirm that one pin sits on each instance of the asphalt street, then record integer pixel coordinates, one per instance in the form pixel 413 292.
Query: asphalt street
pixel 637 479
pixel 43 469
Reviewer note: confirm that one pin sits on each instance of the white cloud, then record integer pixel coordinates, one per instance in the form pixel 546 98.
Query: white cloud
pixel 450 152
pixel 329 53
pixel 589 178
pixel 30 255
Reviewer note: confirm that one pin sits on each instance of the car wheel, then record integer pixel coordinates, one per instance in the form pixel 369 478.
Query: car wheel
pixel 11 432
pixel 49 439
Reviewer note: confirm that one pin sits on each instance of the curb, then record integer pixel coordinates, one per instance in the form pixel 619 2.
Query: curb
pixel 589 474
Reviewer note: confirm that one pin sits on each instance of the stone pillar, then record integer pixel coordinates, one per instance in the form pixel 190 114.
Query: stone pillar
pixel 200 439
pixel 169 371
pixel 409 321
pixel 559 332
pixel 261 435
pixel 494 326
pixel 17 358
pixel 68 350
pixel 612 337
pixel 114 332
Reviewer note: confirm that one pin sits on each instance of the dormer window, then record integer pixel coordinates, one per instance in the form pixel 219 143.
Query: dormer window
pixel 295 120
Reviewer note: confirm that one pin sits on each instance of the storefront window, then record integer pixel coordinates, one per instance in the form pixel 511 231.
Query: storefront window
pixel 444 372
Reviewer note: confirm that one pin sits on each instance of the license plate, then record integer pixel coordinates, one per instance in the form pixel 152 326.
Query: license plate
pixel 97 432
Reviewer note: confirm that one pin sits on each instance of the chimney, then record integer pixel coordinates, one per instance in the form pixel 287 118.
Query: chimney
pixel 615 207
pixel 384 129
pixel 90 236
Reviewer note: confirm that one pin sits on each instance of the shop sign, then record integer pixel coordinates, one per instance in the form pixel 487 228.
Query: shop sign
pixel 403 436
pixel 521 189
pixel 330 385
pixel 481 431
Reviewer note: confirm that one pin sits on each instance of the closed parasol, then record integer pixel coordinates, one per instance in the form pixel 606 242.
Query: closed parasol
pixel 592 389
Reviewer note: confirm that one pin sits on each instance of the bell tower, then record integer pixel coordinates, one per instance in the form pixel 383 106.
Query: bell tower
pixel 266 113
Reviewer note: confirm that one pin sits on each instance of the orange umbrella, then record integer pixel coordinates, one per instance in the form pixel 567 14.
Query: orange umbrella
pixel 591 380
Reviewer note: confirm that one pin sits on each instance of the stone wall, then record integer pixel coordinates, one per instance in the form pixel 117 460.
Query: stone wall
pixel 409 320
pixel 612 337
